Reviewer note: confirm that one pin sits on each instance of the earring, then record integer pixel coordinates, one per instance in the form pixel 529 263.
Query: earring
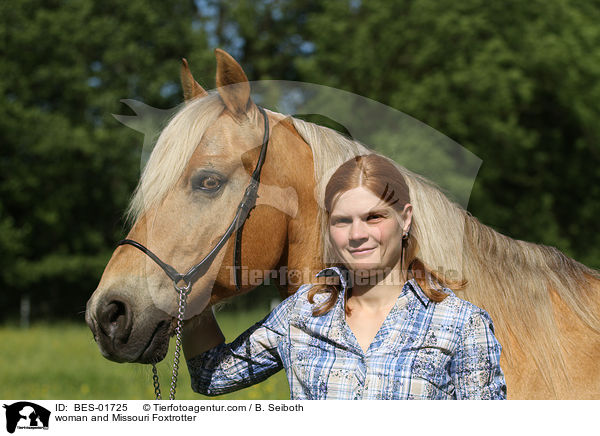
pixel 405 236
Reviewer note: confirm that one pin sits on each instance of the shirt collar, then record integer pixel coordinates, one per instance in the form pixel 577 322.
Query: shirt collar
pixel 346 281
pixel 416 289
pixel 340 271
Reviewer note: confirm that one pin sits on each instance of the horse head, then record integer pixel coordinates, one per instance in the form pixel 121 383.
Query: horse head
pixel 187 196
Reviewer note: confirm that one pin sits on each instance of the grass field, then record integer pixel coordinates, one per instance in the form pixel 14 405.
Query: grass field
pixel 62 361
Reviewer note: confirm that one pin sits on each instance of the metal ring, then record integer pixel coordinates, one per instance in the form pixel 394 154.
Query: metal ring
pixel 185 289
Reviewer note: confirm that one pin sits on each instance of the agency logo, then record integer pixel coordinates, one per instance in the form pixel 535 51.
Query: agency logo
pixel 26 415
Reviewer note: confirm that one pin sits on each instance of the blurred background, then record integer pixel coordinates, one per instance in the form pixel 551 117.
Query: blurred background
pixel 516 83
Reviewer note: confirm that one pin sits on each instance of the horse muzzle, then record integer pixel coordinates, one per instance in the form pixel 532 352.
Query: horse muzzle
pixel 128 334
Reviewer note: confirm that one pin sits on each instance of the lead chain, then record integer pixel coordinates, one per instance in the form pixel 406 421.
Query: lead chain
pixel 156 382
pixel 183 293
pixel 178 334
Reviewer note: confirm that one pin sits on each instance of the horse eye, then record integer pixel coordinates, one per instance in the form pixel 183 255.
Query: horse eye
pixel 207 183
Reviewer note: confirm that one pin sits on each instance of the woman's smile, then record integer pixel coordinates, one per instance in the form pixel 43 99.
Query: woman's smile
pixel 362 251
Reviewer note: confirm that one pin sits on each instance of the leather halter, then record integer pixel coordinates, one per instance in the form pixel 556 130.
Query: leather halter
pixel 243 212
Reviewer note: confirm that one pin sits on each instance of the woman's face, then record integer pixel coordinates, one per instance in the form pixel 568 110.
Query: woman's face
pixel 366 232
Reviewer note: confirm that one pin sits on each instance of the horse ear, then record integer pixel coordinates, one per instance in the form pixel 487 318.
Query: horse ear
pixel 191 88
pixel 232 83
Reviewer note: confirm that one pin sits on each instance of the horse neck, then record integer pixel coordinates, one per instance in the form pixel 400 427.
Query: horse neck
pixel 302 254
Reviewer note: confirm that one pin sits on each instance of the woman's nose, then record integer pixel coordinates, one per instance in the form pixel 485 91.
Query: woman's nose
pixel 358 231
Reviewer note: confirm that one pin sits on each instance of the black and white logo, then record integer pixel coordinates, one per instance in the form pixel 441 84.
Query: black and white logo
pixel 26 415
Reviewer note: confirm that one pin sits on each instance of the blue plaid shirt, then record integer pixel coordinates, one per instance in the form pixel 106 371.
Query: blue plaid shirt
pixel 423 350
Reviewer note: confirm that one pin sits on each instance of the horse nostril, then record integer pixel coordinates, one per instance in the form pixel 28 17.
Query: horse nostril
pixel 114 320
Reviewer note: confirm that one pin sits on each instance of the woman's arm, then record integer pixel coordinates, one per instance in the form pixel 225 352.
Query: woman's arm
pixel 476 366
pixel 217 368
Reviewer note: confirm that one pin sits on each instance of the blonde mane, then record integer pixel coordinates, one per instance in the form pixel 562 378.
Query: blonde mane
pixel 173 150
pixel 510 279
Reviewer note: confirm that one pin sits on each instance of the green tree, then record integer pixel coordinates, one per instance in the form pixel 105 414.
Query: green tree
pixel 266 36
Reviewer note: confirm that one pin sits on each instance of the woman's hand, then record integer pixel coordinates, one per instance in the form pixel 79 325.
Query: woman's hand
pixel 201 333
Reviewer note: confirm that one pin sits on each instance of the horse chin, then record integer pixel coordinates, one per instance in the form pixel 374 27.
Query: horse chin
pixel 158 344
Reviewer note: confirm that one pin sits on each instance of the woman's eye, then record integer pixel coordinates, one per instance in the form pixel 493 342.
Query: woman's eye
pixel 207 183
pixel 374 218
pixel 340 221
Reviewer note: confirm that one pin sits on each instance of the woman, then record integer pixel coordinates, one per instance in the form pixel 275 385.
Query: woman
pixel 390 329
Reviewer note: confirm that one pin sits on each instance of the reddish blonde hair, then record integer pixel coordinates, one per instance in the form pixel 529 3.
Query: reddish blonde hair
pixel 380 176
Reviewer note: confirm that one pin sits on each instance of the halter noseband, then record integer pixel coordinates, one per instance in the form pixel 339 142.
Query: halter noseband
pixel 243 212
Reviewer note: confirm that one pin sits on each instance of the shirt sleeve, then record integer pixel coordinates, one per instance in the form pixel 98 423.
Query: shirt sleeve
pixel 249 359
pixel 476 366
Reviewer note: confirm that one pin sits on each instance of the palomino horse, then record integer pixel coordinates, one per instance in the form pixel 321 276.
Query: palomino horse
pixel 544 305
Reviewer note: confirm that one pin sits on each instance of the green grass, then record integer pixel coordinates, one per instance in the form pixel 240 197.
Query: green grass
pixel 62 361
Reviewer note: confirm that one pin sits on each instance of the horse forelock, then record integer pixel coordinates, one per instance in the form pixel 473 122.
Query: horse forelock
pixel 173 150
